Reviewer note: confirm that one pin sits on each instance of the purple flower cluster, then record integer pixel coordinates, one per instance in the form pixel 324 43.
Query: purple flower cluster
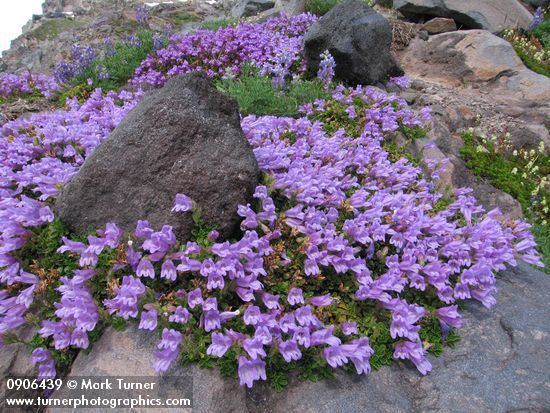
pixel 403 82
pixel 345 199
pixel 46 364
pixel 77 313
pixel 334 206
pixel 38 155
pixel 275 46
pixel 538 18
pixel 27 83
pixel 326 69
pixel 81 58
pixel 142 15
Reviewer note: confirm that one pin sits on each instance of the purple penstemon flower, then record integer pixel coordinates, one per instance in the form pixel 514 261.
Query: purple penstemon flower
pixel 414 352
pixel 250 371
pixel 295 296
pixel 252 315
pixel 449 317
pixel 168 270
pixel 320 301
pixel 289 350
pixel 168 350
pixel 220 345
pixel 183 203
pixel 145 269
pixel 254 347
pixel 271 301
pixel 349 328
pixel 194 298
pixel 148 320
pixel 181 316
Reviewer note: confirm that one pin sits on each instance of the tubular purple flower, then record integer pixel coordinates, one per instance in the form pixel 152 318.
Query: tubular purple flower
pixel 415 353
pixel 250 371
pixel 320 301
pixel 449 317
pixel 183 203
pixel 148 320
pixel 254 347
pixel 220 345
pixel 181 316
pixel 349 328
pixel 289 350
pixel 168 270
pixel 194 298
pixel 145 269
pixel 295 296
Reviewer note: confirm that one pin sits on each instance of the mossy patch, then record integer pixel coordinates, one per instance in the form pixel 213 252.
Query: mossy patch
pixel 52 28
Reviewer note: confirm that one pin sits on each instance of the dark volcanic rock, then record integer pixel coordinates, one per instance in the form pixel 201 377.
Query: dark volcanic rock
pixel 184 138
pixel 247 8
pixel 358 38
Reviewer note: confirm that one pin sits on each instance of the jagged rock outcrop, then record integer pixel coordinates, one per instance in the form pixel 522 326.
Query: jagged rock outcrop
pixel 184 138
pixel 492 15
pixel 48 38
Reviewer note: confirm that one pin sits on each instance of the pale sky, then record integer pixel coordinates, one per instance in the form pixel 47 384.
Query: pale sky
pixel 13 16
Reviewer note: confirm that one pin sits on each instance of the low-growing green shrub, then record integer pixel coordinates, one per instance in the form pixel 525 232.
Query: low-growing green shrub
pixel 533 45
pixel 256 94
pixel 542 32
pixel 321 7
pixel 219 23
pixel 117 66
pixel 522 174
pixel 81 92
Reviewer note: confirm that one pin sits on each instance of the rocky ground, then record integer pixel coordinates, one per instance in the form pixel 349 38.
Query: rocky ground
pixel 470 79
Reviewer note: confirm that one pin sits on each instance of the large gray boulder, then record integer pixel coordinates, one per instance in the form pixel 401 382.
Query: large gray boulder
pixel 492 15
pixel 358 38
pixel 184 138
pixel 474 57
